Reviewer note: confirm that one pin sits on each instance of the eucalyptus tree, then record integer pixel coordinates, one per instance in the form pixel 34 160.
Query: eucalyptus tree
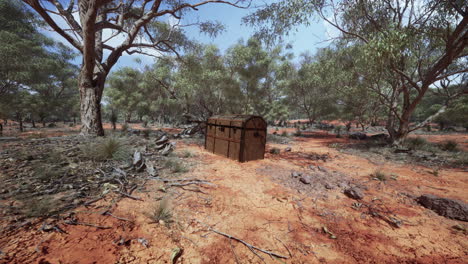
pixel 125 91
pixel 312 88
pixel 205 84
pixel 103 30
pixel 36 73
pixel 259 72
pixel 409 46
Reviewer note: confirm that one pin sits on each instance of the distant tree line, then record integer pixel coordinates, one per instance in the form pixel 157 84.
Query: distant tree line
pixel 394 63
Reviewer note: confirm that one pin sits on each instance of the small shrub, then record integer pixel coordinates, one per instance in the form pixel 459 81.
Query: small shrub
pixel 175 166
pixel 187 154
pixel 275 151
pixel 298 132
pixel 435 172
pixel 44 206
pixel 416 143
pixel 110 148
pixel 48 173
pixel 277 139
pixel 124 127
pixel 146 133
pixel 379 175
pixel 162 212
pixel 449 145
pixel 461 160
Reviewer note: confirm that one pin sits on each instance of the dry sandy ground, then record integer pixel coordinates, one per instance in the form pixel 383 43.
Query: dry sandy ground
pixel 253 202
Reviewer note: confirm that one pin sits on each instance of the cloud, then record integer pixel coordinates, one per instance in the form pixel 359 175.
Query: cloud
pixel 331 31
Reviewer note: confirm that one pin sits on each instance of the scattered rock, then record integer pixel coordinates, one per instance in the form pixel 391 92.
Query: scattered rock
pixel 305 179
pixel 275 151
pixel 295 174
pixel 354 193
pixel 329 186
pixel 449 208
pixel 322 169
pixel 288 149
pixel 312 167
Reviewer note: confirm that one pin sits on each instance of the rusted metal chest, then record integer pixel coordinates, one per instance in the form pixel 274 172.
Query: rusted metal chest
pixel 238 137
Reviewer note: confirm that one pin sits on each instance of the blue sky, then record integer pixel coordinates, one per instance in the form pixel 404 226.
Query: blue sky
pixel 306 39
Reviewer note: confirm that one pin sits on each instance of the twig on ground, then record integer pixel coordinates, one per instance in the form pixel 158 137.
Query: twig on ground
pixel 116 217
pixel 289 252
pixel 249 246
pixel 233 252
pixel 69 222
pixel 130 196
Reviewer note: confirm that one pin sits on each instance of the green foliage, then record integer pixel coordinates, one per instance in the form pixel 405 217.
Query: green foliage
pixel 449 145
pixel 37 77
pixel 162 212
pixel 175 166
pixel 416 143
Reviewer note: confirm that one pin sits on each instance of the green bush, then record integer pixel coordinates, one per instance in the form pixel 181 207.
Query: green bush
pixel 449 145
pixel 416 143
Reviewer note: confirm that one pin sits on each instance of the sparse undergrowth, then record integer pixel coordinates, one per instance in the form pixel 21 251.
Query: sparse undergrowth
pixel 284 138
pixel 110 148
pixel 379 175
pixel 162 213
pixel 415 149
pixel 175 165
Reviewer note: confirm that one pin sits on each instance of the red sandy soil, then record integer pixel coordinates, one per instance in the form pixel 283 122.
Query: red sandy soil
pixel 252 205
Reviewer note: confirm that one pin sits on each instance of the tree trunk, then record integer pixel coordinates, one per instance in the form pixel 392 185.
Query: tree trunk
pixel 90 107
pixel 33 123
pixel 20 121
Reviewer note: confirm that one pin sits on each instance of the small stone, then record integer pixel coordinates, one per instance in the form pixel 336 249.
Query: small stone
pixel 288 149
pixel 329 186
pixel 305 179
pixel 354 193
pixel 295 174
pixel 322 169
pixel 312 167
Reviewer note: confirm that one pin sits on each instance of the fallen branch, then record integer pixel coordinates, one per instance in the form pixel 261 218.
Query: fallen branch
pixel 69 222
pixel 117 217
pixel 249 246
pixel 130 196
